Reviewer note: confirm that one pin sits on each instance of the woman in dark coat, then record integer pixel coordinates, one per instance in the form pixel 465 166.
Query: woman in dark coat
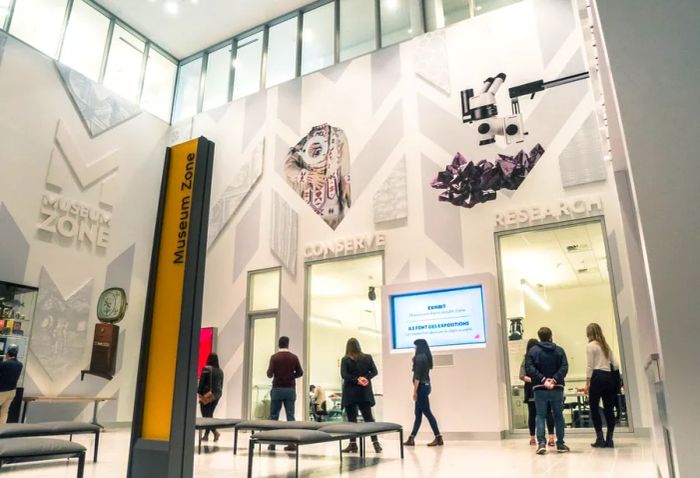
pixel 210 380
pixel 357 370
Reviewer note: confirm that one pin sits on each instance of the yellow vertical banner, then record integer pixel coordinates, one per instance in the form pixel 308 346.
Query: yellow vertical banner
pixel 167 300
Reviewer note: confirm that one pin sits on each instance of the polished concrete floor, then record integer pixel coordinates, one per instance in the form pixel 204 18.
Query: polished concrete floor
pixel 493 459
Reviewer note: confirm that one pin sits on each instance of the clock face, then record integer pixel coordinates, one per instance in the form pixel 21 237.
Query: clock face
pixel 111 305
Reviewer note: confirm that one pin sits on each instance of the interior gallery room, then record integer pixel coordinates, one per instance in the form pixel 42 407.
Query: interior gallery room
pixel 352 238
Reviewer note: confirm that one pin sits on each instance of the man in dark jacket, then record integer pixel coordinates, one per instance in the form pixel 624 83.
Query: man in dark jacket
pixel 546 364
pixel 10 371
pixel 284 369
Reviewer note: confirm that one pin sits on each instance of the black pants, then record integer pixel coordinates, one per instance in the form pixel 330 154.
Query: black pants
pixel 365 409
pixel 603 386
pixel 208 412
pixel 532 413
pixel 423 408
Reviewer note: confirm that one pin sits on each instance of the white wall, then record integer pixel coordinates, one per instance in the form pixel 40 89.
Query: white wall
pixel 662 165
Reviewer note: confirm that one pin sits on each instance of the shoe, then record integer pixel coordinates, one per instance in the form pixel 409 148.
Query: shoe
pixel 609 444
pixel 533 442
pixel 290 448
pixel 599 442
pixel 437 441
pixel 541 449
pixel 550 442
pixel 271 447
pixel 410 442
pixel 205 437
pixel 563 448
pixel 216 435
pixel 377 447
pixel 351 448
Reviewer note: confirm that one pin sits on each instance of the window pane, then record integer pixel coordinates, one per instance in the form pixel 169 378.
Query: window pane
pixel 123 73
pixel 264 290
pixel 434 18
pixel 4 12
pixel 484 6
pixel 400 20
pixel 357 28
pixel 455 10
pixel 248 64
pixel 158 85
pixel 318 39
pixel 216 81
pixel 84 43
pixel 282 52
pixel 39 23
pixel 187 94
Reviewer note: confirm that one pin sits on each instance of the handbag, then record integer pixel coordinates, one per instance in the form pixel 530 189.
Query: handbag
pixel 208 397
pixel 617 378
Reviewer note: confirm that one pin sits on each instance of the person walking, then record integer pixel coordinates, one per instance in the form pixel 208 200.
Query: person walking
pixel 547 365
pixel 284 370
pixel 602 381
pixel 422 364
pixel 530 402
pixel 10 371
pixel 209 391
pixel 357 370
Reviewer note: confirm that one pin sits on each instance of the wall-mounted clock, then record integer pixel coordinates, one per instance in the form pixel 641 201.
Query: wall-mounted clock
pixel 111 306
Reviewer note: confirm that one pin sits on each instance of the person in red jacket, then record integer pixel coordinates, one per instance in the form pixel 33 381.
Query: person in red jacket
pixel 284 369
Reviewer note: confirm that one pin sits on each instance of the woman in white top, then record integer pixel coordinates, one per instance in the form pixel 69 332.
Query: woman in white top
pixel 602 381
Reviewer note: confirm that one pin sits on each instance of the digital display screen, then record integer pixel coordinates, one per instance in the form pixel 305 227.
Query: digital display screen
pixel 206 346
pixel 444 318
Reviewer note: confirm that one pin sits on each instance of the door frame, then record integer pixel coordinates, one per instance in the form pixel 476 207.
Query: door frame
pixel 504 319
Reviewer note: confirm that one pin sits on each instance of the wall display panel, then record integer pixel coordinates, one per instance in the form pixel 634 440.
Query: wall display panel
pixel 123 74
pixel 216 82
pixel 358 34
pixel 207 339
pixel 445 318
pixel 401 20
pixel 187 93
pixel 84 41
pixel 248 65
pixel 158 85
pixel 282 52
pixel 39 23
pixel 318 39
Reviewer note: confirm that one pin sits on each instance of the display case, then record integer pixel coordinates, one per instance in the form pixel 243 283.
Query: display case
pixel 17 305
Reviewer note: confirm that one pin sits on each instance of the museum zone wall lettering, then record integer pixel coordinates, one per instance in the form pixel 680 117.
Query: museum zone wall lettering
pixel 185 208
pixel 75 221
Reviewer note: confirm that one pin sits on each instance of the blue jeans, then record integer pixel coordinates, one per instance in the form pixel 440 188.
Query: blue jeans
pixel 279 397
pixel 554 398
pixel 423 408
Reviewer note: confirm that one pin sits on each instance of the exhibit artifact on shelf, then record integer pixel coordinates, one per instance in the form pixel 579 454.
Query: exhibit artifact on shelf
pixel 17 307
pixel 111 307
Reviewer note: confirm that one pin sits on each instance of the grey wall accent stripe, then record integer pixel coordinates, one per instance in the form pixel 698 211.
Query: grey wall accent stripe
pixel 445 129
pixel 555 21
pixel 581 161
pixel 247 238
pixel 289 96
pixel 14 249
pixel 432 271
pixel 120 270
pixel 284 237
pixel 336 72
pixel 231 334
pixel 386 74
pixel 404 275
pixel 255 115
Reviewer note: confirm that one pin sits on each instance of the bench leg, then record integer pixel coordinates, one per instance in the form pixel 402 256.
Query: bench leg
pixel 97 447
pixel 235 441
pixel 340 449
pixel 81 465
pixel 297 463
pixel 251 454
pixel 401 441
pixel 199 441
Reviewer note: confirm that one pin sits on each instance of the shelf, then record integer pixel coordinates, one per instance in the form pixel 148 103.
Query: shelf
pixel 14 336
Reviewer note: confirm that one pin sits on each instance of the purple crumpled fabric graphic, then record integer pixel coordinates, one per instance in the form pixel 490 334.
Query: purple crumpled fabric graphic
pixel 467 183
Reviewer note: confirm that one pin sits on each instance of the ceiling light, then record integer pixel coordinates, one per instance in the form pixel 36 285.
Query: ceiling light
pixel 533 294
pixel 391 4
pixel 171 7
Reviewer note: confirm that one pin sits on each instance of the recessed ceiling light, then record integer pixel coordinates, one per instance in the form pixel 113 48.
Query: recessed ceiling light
pixel 171 7
pixel 392 4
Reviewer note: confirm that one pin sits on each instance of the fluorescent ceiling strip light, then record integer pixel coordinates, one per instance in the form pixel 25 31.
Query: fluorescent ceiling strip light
pixel 532 293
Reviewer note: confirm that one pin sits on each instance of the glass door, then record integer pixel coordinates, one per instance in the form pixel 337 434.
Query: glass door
pixel 263 333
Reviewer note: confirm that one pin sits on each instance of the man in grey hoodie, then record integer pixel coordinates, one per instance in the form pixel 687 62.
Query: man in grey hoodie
pixel 547 365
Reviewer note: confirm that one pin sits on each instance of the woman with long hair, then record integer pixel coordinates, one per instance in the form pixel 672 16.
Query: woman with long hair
pixel 602 381
pixel 530 401
pixel 422 364
pixel 357 370
pixel 209 391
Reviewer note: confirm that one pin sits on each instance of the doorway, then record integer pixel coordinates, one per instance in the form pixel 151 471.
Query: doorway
pixel 558 276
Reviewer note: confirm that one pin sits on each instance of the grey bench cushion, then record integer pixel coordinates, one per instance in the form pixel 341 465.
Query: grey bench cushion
pixel 70 427
pixel 15 430
pixel 217 422
pixel 299 437
pixel 362 428
pixel 36 447
pixel 277 425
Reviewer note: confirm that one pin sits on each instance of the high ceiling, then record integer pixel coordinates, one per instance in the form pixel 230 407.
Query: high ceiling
pixel 197 24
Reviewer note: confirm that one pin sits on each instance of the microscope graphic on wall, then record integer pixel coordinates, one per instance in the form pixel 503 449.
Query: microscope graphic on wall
pixel 480 108
pixel 111 307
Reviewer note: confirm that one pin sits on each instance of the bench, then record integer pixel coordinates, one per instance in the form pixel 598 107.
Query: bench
pixel 202 424
pixel 43 429
pixel 363 430
pixel 267 425
pixel 296 437
pixel 24 450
